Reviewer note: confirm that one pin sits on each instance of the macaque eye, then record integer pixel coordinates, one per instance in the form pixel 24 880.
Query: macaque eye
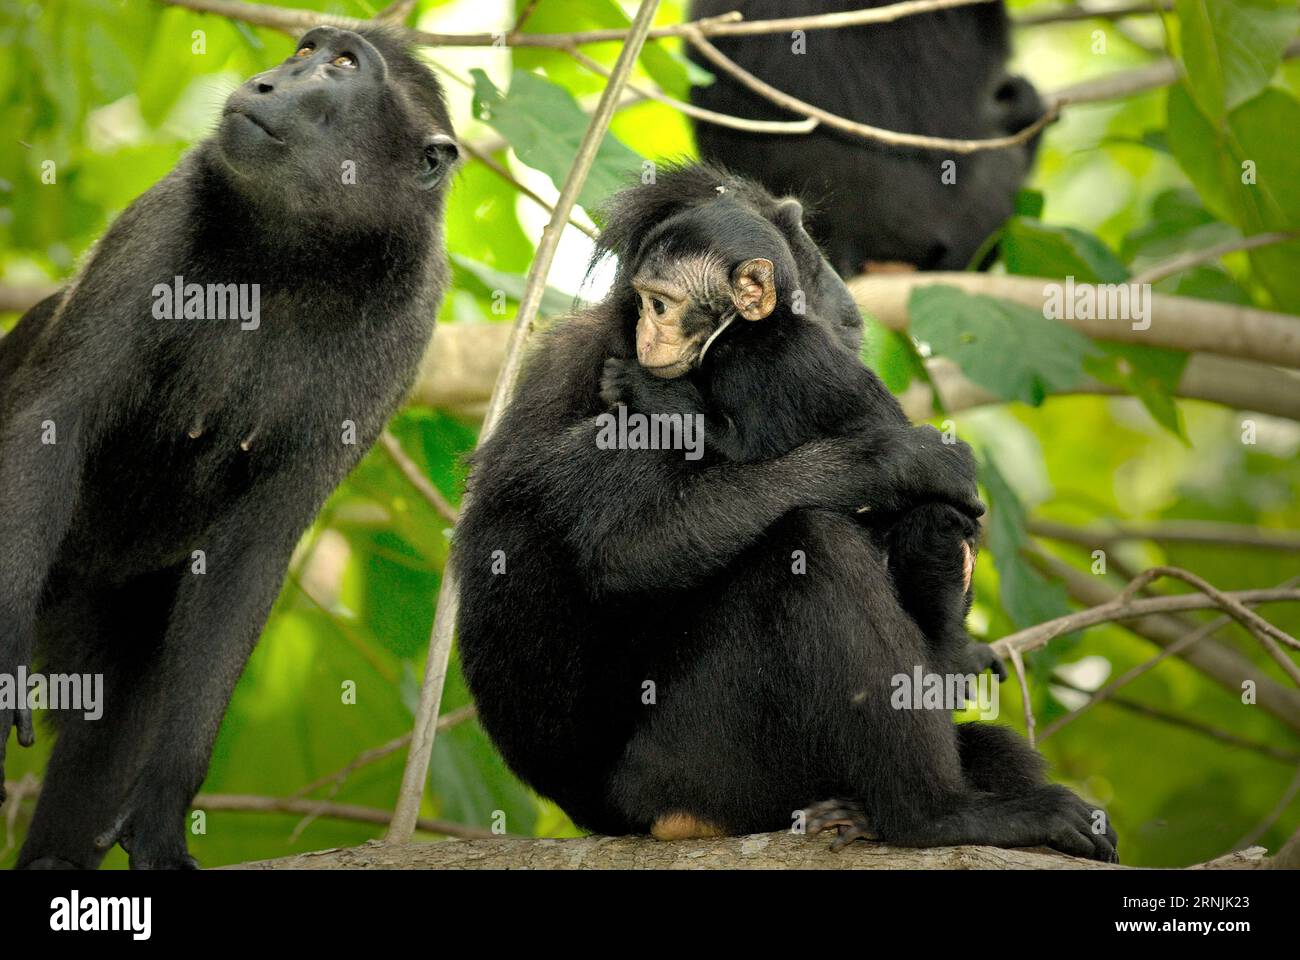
pixel 305 50
pixel 659 307
pixel 345 60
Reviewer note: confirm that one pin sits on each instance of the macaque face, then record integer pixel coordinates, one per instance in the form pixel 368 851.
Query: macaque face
pixel 684 303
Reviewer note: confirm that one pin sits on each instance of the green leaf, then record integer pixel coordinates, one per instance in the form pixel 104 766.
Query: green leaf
pixel 1149 373
pixel 485 282
pixel 1036 249
pixel 1248 173
pixel 1232 48
pixel 893 356
pixel 1007 348
pixel 1029 203
pixel 545 125
pixel 1026 597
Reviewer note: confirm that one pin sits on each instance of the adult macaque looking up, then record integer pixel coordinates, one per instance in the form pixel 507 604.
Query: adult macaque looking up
pixel 157 473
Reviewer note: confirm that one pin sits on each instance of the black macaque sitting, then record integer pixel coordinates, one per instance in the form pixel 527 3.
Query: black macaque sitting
pixel 688 303
pixel 694 647
pixel 876 205
pixel 171 421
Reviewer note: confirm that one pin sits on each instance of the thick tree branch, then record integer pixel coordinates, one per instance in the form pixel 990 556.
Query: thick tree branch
pixel 1179 323
pixel 763 851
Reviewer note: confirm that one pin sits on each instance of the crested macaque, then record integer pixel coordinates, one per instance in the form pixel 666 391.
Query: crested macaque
pixel 158 464
pixel 701 647
pixel 688 300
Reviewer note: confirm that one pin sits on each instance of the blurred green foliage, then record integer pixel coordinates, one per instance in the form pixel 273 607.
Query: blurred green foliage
pixel 113 91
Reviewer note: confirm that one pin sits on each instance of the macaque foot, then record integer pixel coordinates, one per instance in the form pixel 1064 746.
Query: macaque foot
pixel 847 818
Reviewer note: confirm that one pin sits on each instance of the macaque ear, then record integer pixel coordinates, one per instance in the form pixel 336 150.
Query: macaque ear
pixel 753 288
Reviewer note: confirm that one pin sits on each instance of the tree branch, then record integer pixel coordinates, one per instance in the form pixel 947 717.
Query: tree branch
pixel 762 851
pixel 1170 531
pixel 432 495
pixel 1179 323
pixel 1090 12
pixel 727 25
pixel 864 130
pixel 1177 647
pixel 1226 667
pixel 252 803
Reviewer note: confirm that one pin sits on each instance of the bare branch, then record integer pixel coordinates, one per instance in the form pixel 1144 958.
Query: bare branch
pixel 1090 12
pixel 891 137
pixel 1188 723
pixel 1194 258
pixel 1119 609
pixel 1248 618
pixel 252 803
pixel 727 25
pixel 509 178
pixel 1125 83
pixel 1109 690
pixel 1170 531
pixel 1179 323
pixel 1018 664
pixel 374 754
pixel 432 495
pixel 1225 666
pixel 699 113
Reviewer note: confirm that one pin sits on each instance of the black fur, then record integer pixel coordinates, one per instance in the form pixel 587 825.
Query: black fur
pixel 940 73
pixel 98 529
pixel 924 544
pixel 771 688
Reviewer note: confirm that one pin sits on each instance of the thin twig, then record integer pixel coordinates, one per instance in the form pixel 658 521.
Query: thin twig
pixel 393 447
pixel 1194 258
pixel 1170 531
pixel 374 754
pixel 524 14
pixel 396 12
pixel 1089 12
pixel 343 627
pixel 507 176
pixel 1244 615
pixel 336 780
pixel 1031 638
pixel 1272 817
pixel 807 125
pixel 1187 723
pixel 1125 83
pixel 864 130
pixel 435 672
pixel 727 25
pixel 253 803
pixel 1214 659
pixel 1018 664
pixel 1106 692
